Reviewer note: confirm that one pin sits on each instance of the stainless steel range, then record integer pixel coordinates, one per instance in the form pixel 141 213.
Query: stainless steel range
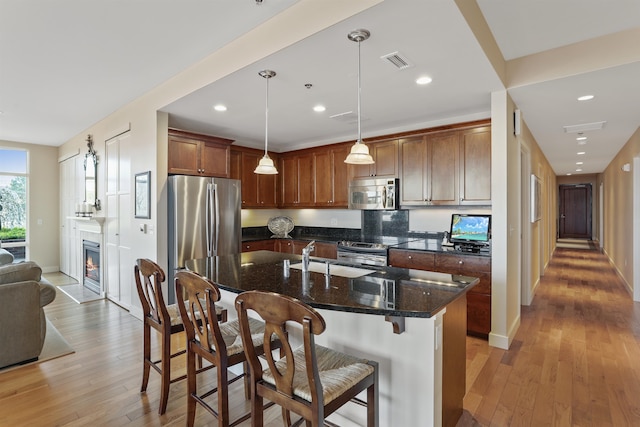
pixel 362 253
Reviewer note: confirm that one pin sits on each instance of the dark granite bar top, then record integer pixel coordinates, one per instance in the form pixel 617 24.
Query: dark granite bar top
pixel 386 291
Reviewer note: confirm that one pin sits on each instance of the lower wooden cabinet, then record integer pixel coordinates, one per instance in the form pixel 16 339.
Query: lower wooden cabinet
pixel 478 298
pixel 411 259
pixel 291 246
pixel 259 245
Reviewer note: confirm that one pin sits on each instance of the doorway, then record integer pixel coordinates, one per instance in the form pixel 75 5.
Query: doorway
pixel 575 211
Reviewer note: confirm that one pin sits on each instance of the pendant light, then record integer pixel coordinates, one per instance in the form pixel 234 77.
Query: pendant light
pixel 359 154
pixel 266 166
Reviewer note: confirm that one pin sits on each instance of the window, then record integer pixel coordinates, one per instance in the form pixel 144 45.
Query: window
pixel 13 201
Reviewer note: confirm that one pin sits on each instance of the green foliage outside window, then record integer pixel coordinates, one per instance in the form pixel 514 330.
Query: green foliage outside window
pixel 14 204
pixel 16 233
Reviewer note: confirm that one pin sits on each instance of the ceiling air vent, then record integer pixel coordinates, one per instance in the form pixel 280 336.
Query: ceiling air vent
pixel 397 59
pixel 348 117
pixel 584 127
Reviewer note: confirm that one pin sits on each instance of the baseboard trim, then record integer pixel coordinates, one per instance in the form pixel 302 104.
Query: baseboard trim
pixel 504 342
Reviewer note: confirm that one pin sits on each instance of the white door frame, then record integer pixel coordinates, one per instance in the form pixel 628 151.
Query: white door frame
pixel 636 229
pixel 525 212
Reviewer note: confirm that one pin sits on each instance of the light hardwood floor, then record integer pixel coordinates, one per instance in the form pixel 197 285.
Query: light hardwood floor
pixel 575 361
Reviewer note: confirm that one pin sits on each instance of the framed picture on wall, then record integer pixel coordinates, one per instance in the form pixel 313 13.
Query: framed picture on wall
pixel 536 190
pixel 143 195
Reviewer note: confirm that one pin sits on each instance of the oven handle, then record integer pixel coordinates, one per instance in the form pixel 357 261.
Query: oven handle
pixel 360 250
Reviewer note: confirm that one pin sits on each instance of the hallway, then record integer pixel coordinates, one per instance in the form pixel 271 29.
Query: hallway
pixel 575 359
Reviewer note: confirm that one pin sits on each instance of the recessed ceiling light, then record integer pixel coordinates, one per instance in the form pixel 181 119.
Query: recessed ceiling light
pixel 319 108
pixel 585 97
pixel 580 153
pixel 579 163
pixel 424 80
pixel 581 138
pixel 220 107
pixel 568 173
pixel 582 142
pixel 578 170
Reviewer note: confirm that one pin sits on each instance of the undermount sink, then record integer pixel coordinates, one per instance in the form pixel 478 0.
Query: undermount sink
pixel 335 270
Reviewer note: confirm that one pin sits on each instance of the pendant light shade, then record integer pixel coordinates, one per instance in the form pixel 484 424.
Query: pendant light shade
pixel 266 166
pixel 359 154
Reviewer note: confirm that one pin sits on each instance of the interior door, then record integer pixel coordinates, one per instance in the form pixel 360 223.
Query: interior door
pixel 575 211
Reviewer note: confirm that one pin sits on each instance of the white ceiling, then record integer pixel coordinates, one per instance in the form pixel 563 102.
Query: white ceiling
pixel 66 64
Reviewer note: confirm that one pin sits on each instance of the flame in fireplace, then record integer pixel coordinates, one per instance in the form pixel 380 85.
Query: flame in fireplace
pixel 92 270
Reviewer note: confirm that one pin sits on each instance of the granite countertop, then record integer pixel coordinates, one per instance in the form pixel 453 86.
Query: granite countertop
pixel 386 291
pixel 412 243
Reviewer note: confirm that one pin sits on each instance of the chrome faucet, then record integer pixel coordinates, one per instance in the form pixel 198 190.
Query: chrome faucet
pixel 305 255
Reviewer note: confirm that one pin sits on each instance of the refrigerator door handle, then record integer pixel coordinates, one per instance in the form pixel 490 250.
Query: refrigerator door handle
pixel 208 218
pixel 216 219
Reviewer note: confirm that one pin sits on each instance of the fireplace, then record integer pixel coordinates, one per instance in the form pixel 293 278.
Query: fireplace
pixel 91 258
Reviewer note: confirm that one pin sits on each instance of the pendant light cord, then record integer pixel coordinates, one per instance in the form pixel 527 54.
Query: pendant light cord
pixel 359 95
pixel 266 119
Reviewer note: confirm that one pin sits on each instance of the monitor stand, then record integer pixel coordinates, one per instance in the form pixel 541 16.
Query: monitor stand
pixel 467 247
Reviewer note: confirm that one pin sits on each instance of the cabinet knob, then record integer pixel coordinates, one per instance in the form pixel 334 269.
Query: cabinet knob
pixel 410 257
pixel 460 262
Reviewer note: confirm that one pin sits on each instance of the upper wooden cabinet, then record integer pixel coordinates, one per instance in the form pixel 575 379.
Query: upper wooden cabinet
pixel 258 191
pixel 331 177
pixel 475 166
pixel 297 180
pixel 385 155
pixel 446 168
pixel 194 154
pixel 430 169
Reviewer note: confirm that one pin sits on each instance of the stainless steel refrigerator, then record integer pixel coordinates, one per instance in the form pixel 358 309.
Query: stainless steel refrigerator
pixel 204 220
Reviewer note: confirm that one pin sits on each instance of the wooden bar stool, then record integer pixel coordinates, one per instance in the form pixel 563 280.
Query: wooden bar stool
pixel 219 344
pixel 311 381
pixel 164 319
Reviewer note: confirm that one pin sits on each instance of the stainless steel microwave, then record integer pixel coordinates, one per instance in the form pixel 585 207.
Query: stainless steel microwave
pixel 374 193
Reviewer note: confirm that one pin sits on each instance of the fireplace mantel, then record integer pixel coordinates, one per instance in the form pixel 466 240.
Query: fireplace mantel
pixel 89 224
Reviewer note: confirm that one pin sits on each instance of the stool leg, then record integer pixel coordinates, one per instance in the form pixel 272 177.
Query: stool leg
pixel 146 356
pixel 247 380
pixel 165 375
pixel 191 385
pixel 223 396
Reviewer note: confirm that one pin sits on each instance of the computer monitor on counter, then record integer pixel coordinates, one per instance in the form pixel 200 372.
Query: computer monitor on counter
pixel 470 232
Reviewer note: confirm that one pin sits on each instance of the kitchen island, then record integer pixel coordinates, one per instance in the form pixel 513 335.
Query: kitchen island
pixel 421 359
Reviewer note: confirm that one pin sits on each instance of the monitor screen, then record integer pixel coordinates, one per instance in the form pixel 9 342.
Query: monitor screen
pixel 470 228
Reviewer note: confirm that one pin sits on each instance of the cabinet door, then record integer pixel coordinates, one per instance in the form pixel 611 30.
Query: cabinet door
pixel 249 180
pixel 214 160
pixel 386 156
pixel 331 177
pixel 285 246
pixel 323 178
pixel 326 250
pixel 259 245
pixel 289 181
pixel 340 176
pixel 235 165
pixel 267 185
pixel 475 166
pixel 443 169
pixel 305 180
pixel 413 182
pixel 184 156
pixel 411 259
